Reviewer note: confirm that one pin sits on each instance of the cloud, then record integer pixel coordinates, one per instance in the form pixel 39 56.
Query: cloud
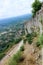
pixel 9 8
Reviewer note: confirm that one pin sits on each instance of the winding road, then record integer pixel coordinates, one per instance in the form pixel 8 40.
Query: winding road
pixel 14 51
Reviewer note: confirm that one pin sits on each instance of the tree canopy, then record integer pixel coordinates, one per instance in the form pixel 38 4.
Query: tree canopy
pixel 36 6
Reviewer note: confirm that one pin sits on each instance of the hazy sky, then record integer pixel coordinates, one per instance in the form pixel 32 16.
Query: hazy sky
pixel 9 8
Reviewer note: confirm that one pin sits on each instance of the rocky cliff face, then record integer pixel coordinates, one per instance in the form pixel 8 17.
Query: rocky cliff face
pixel 35 22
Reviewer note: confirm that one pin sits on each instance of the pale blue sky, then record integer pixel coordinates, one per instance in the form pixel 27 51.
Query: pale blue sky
pixel 10 8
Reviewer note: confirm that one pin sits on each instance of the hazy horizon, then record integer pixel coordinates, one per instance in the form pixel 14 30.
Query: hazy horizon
pixel 16 16
pixel 13 8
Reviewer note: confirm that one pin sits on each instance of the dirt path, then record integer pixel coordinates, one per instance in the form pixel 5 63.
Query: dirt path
pixel 29 49
pixel 8 56
pixel 31 54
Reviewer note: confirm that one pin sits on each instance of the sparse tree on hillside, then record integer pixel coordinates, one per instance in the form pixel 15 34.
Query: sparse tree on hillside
pixel 36 7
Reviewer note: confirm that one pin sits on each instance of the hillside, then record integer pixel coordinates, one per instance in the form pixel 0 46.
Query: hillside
pixel 30 50
pixel 11 32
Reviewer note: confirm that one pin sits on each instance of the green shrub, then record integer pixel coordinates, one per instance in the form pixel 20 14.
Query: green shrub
pixel 18 40
pixel 34 34
pixel 17 56
pixel 22 48
pixel 16 59
pixel 30 41
pixel 29 38
pixel 40 41
pixel 37 44
pixel 24 41
pixel 1 55
pixel 12 62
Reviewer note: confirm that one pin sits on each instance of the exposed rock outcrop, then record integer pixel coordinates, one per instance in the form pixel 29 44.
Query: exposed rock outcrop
pixel 35 22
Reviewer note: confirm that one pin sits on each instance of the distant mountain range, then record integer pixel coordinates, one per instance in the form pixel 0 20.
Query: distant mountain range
pixel 15 20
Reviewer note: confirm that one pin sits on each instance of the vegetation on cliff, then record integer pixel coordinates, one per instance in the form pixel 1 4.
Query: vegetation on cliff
pixel 36 7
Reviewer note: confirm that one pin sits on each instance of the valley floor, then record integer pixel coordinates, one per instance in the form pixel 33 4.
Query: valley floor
pixel 5 60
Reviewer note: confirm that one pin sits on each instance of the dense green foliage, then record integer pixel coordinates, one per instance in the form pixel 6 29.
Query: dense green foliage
pixel 29 38
pixel 1 55
pixel 16 59
pixel 18 40
pixel 36 6
pixel 22 48
pixel 24 41
pixel 40 41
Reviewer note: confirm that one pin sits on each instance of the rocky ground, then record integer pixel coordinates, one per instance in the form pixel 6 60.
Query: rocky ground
pixel 32 55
